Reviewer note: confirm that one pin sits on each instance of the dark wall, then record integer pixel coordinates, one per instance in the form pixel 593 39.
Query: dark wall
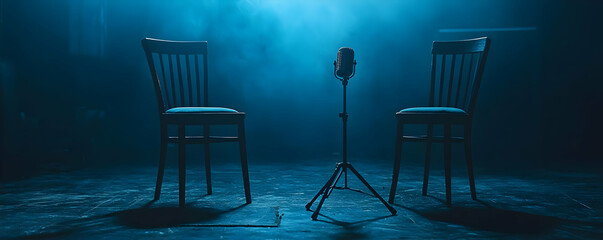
pixel 571 83
pixel 76 90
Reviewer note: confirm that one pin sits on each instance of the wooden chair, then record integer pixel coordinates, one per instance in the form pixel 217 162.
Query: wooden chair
pixel 456 72
pixel 179 71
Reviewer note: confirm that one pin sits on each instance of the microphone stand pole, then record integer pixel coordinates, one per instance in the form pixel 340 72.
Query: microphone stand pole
pixel 342 167
pixel 344 116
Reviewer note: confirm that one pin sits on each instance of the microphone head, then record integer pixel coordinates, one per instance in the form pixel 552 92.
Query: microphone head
pixel 344 67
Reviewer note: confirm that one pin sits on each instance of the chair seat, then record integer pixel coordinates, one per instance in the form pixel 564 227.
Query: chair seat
pixel 199 110
pixel 433 115
pixel 203 115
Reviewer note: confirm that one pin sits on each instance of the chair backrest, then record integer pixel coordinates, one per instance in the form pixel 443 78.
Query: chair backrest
pixel 456 72
pixel 177 69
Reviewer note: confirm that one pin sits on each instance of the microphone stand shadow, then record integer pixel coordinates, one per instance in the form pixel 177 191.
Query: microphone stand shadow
pixel 350 224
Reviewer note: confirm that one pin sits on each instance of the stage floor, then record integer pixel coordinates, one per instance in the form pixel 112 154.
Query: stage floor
pixel 115 203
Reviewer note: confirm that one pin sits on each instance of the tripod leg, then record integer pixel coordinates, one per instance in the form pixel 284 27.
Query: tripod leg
pixel 315 197
pixel 328 183
pixel 335 182
pixel 390 208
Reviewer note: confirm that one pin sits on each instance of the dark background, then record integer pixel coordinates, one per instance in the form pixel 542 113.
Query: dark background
pixel 76 90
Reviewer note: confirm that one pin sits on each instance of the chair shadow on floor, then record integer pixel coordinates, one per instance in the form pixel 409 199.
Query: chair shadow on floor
pixel 159 217
pixel 488 218
pixel 349 224
pixel 144 217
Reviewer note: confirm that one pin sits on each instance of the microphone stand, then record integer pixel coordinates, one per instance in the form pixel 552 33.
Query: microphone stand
pixel 342 167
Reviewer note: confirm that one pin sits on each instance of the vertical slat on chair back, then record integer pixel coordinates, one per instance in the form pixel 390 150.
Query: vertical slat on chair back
pixel 179 71
pixel 456 72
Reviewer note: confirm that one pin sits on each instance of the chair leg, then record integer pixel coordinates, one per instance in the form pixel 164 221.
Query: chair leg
pixel 162 155
pixel 207 159
pixel 469 159
pixel 427 158
pixel 397 160
pixel 243 151
pixel 181 164
pixel 447 156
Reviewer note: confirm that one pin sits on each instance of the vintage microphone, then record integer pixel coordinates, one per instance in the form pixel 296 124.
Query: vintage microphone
pixel 345 68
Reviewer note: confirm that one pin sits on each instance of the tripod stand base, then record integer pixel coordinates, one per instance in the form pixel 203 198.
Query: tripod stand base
pixel 326 190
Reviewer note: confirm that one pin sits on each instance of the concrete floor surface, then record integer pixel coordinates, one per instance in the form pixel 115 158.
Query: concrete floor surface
pixel 115 203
